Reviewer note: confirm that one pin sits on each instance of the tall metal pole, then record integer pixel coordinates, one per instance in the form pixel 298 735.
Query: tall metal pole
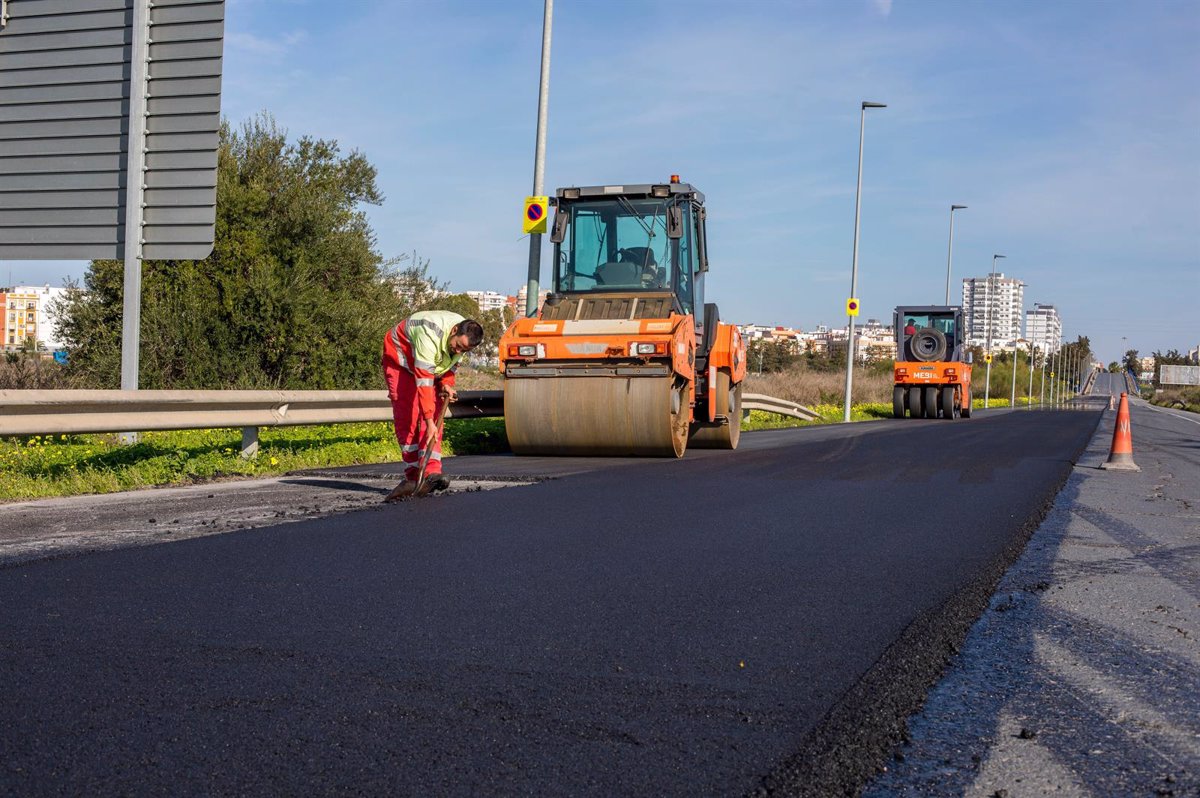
pixel 1055 368
pixel 862 126
pixel 539 161
pixel 1042 384
pixel 987 388
pixel 135 167
pixel 950 249
pixel 1029 393
pixel 1016 361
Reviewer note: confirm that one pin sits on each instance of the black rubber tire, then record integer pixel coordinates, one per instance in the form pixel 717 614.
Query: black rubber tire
pixel 930 401
pixel 928 344
pixel 914 401
pixel 946 397
pixel 899 405
pixel 965 411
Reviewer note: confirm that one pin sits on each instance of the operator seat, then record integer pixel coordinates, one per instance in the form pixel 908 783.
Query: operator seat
pixel 619 274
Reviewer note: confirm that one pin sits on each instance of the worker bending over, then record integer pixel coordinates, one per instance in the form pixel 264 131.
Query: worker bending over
pixel 420 356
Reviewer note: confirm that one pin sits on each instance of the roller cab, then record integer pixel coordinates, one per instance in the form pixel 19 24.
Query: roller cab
pixel 933 364
pixel 624 357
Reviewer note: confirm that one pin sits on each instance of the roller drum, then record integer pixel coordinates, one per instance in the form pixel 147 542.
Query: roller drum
pixel 596 415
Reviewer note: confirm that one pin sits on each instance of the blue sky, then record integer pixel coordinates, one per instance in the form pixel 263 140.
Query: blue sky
pixel 1070 129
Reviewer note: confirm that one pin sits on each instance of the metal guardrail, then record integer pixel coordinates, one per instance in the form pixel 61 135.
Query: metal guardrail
pixel 758 401
pixel 71 412
pixel 76 412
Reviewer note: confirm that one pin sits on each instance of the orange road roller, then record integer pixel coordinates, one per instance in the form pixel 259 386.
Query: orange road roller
pixel 624 357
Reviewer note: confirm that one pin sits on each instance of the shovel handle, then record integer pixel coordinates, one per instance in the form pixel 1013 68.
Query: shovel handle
pixel 441 416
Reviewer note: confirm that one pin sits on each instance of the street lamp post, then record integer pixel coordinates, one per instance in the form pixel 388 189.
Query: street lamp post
pixel 1029 393
pixel 950 248
pixel 987 388
pixel 1016 362
pixel 862 126
pixel 539 160
pixel 1042 383
pixel 1055 376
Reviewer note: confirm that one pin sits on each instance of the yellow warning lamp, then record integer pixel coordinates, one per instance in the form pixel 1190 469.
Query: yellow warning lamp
pixel 852 307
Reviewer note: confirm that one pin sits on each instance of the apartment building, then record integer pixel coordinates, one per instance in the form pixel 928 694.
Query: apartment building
pixel 992 309
pixel 488 300
pixel 1043 327
pixel 27 317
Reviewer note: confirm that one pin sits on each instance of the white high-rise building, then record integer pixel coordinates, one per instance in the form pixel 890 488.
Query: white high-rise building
pixel 1043 327
pixel 993 304
pixel 488 300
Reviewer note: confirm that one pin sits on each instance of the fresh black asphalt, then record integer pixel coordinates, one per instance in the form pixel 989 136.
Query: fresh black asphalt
pixel 759 620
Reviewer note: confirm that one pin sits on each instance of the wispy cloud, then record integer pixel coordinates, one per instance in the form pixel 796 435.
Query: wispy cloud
pixel 271 46
pixel 884 7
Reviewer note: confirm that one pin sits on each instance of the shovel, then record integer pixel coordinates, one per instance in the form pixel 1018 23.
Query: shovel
pixel 422 489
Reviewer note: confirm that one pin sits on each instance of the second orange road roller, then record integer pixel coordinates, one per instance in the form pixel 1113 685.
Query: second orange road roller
pixel 624 357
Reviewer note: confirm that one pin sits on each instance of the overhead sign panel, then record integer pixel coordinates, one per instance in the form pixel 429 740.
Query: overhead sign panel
pixel 65 151
pixel 1179 375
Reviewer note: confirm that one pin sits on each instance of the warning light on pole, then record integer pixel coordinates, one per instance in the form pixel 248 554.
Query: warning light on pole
pixel 536 216
pixel 851 307
pixel 987 358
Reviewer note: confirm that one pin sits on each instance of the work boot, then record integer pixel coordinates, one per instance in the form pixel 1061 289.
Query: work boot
pixel 437 483
pixel 402 491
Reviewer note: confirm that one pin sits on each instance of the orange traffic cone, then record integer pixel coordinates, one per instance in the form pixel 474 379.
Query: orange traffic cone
pixel 1121 456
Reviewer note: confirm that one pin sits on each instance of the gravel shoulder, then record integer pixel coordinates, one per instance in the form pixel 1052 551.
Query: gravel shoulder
pixel 1083 677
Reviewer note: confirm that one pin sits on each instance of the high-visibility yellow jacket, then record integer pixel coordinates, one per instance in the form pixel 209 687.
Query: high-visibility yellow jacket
pixel 421 345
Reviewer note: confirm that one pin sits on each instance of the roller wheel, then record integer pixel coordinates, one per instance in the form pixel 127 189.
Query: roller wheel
pixel 947 398
pixel 914 401
pixel 930 401
pixel 729 404
pixel 965 410
pixel 898 403
pixel 597 415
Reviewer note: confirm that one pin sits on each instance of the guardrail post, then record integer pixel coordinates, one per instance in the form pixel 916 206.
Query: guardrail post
pixel 249 442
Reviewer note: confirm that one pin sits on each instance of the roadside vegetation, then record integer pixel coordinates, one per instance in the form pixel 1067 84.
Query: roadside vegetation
pixel 1180 398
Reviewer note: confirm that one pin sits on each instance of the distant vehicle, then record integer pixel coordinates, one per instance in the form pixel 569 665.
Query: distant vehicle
pixel 933 366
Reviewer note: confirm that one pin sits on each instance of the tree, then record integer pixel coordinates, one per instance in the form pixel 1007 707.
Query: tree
pixel 764 355
pixel 1132 362
pixel 294 294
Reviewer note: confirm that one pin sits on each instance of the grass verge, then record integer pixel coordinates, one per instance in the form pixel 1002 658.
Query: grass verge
pixel 40 466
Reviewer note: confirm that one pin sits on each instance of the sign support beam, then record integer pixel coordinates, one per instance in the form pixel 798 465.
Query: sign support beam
pixel 532 287
pixel 135 172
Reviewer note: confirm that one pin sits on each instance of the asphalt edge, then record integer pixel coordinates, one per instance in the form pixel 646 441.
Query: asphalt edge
pixel 859 735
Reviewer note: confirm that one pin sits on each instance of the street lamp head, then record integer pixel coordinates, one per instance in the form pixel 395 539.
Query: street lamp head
pixel 999 256
pixel 873 105
pixel 958 207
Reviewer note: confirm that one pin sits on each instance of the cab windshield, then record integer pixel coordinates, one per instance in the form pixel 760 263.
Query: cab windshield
pixel 616 244
pixel 943 323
